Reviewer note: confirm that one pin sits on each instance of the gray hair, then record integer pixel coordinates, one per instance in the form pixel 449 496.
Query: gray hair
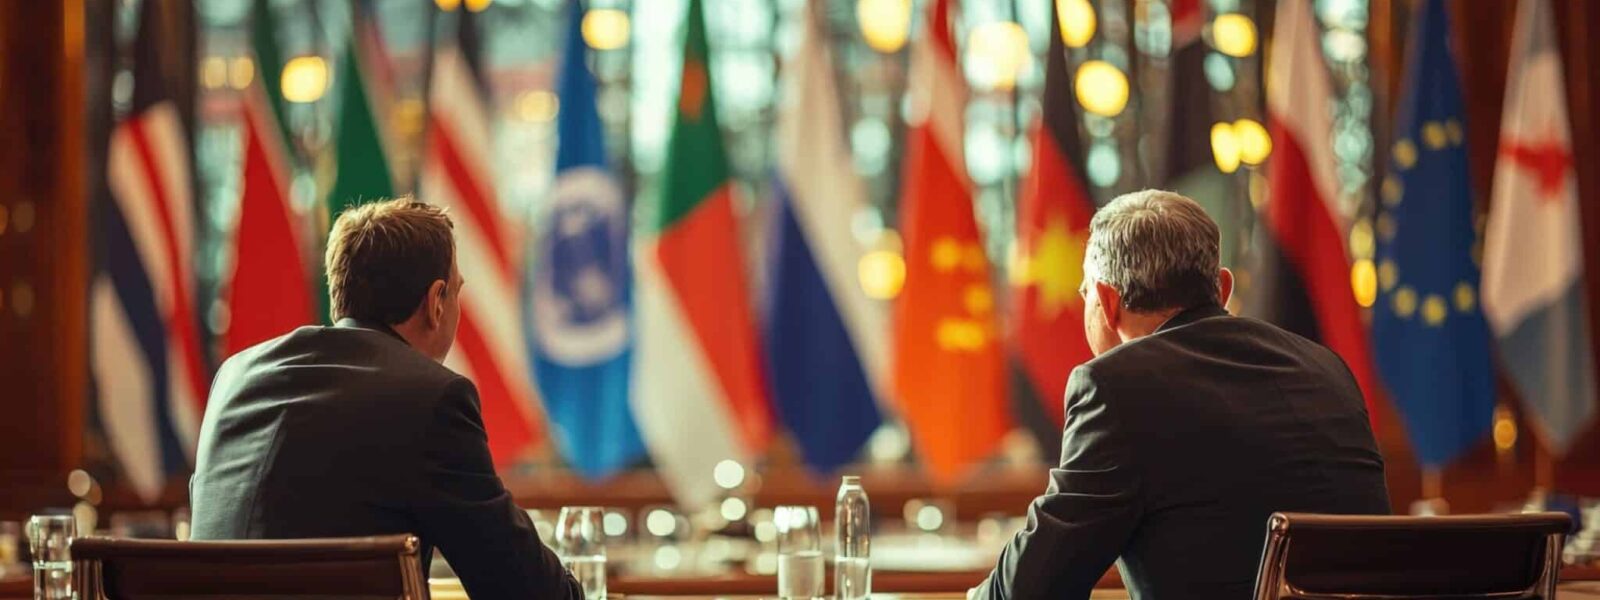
pixel 1158 249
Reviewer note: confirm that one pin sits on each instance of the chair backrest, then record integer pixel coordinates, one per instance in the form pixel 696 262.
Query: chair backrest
pixel 386 567
pixel 1355 557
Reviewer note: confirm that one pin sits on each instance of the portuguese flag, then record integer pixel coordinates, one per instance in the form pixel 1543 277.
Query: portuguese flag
pixel 699 392
pixel 363 168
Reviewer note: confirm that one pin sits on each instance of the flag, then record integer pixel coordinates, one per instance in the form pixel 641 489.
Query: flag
pixel 578 289
pixel 1428 334
pixel 1303 281
pixel 826 341
pixel 699 394
pixel 1046 317
pixel 1532 258
pixel 948 369
pixel 363 172
pixel 457 173
pixel 270 293
pixel 150 373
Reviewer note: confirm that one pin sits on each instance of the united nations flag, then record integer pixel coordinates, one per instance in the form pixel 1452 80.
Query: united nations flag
pixel 1429 336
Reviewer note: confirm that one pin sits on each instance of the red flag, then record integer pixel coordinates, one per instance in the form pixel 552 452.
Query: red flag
pixel 948 368
pixel 270 293
pixel 1046 324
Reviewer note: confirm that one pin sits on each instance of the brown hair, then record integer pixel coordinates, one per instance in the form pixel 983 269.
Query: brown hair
pixel 383 256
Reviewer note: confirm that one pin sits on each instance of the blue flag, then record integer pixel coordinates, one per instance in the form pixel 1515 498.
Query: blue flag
pixel 578 289
pixel 1428 332
pixel 825 338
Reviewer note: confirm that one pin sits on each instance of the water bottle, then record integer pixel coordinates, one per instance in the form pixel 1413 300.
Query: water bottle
pixel 852 522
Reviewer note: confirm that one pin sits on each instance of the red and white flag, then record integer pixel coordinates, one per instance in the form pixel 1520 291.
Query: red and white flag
pixel 1310 293
pixel 457 174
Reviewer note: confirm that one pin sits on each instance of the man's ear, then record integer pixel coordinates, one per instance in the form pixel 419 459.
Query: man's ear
pixel 433 303
pixel 1110 303
pixel 1224 285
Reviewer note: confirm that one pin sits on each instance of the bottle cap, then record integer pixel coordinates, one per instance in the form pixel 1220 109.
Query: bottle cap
pixel 851 480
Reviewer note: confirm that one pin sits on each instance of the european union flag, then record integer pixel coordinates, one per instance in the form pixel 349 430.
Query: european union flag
pixel 579 297
pixel 1429 336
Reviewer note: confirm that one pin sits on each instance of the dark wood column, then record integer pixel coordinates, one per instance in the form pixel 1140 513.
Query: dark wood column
pixel 43 251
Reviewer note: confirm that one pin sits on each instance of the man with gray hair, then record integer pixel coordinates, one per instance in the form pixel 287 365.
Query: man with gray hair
pixel 1188 428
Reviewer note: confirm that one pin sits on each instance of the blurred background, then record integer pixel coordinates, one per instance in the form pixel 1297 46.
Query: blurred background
pixel 248 124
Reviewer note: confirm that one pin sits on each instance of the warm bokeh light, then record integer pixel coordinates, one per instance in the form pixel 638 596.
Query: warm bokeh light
pixel 241 72
pixel 998 54
pixel 1505 429
pixel 1102 88
pixel 606 28
pixel 537 107
pixel 1225 147
pixel 305 79
pixel 214 72
pixel 1234 34
pixel 729 474
pixel 477 5
pixel 1254 142
pixel 1362 243
pixel 885 24
pixel 734 509
pixel 882 273
pixel 1364 281
pixel 447 5
pixel 1077 22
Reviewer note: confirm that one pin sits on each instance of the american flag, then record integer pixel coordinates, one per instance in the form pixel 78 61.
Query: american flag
pixel 149 372
pixel 457 173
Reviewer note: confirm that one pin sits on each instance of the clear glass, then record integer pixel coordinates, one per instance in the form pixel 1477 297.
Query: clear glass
pixel 50 542
pixel 852 530
pixel 581 542
pixel 800 568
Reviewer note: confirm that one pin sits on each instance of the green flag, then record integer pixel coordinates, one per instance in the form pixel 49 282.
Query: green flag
pixel 363 172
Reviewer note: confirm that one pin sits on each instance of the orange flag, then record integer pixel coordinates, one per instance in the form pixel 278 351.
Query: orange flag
pixel 948 367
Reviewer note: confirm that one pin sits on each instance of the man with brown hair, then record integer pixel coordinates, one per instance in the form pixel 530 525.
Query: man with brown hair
pixel 357 429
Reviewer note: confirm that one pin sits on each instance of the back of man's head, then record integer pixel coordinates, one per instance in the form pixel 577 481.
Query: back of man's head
pixel 1158 249
pixel 383 257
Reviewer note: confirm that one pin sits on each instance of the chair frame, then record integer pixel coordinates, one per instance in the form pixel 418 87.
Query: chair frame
pixel 89 555
pixel 1272 585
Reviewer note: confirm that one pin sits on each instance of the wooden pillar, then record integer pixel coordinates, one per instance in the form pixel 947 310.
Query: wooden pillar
pixel 43 252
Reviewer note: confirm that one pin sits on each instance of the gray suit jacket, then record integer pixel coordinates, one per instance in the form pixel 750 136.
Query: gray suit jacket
pixel 1177 448
pixel 348 431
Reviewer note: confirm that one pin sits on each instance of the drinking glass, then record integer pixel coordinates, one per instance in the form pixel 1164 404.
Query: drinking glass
pixel 800 569
pixel 50 542
pixel 581 542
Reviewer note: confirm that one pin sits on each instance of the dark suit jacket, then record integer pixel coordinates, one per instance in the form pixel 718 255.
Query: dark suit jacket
pixel 1177 448
pixel 348 431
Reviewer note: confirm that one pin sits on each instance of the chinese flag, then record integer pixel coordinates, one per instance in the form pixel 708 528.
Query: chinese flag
pixel 948 367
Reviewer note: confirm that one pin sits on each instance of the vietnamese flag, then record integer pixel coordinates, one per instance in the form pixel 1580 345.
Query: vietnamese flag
pixel 699 391
pixel 270 293
pixel 949 374
pixel 1046 317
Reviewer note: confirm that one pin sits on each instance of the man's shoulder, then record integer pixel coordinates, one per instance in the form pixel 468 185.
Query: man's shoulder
pixel 366 357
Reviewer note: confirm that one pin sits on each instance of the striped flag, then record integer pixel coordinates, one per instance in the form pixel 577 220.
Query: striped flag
pixel 270 291
pixel 359 139
pixel 949 372
pixel 699 390
pixel 826 341
pixel 1533 256
pixel 579 286
pixel 1046 317
pixel 149 371
pixel 457 174
pixel 1303 284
